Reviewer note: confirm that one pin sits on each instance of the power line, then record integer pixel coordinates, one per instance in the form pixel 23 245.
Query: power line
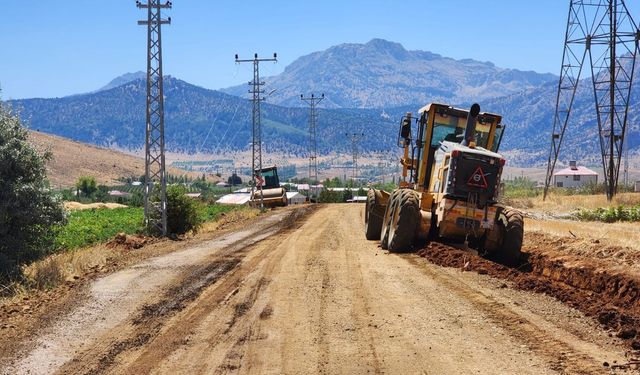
pixel 256 146
pixel 155 187
pixel 606 33
pixel 355 138
pixel 313 146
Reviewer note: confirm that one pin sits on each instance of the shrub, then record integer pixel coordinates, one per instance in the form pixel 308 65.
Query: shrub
pixel 610 214
pixel 28 209
pixel 182 211
pixel 330 196
pixel 87 185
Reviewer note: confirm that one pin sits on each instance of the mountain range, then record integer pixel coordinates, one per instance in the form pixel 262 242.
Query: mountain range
pixel 381 76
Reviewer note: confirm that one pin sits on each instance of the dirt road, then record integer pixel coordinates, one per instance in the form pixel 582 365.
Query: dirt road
pixel 307 294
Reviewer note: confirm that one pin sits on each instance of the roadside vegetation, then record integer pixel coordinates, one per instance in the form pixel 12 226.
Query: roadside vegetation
pixel 28 209
pixel 40 240
pixel 610 214
pixel 587 203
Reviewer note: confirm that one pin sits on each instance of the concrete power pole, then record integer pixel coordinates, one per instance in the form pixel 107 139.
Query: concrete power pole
pixel 355 138
pixel 155 184
pixel 313 146
pixel 256 147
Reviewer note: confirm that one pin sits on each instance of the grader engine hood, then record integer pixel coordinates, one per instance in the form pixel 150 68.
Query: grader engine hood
pixel 474 171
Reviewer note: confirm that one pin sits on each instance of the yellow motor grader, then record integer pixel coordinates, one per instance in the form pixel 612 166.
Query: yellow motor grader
pixel 453 169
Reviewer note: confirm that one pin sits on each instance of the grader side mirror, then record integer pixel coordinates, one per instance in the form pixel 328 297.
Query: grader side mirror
pixel 404 138
pixel 405 132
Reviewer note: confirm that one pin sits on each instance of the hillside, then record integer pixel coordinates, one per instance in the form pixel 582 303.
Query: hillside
pixel 197 120
pixel 74 159
pixel 383 74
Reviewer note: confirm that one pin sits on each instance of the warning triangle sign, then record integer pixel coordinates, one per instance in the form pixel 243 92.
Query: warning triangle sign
pixel 478 179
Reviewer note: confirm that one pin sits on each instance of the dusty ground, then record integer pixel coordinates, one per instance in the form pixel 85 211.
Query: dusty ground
pixel 305 293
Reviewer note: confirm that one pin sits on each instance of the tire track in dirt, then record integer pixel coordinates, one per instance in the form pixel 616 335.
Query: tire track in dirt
pixel 140 329
pixel 537 339
pixel 234 297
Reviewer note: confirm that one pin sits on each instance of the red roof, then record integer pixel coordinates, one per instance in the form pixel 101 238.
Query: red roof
pixel 582 171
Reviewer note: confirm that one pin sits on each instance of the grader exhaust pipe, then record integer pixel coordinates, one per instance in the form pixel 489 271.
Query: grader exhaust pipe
pixel 470 129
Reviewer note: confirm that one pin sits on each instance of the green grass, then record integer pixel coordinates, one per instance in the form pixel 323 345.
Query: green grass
pixel 88 227
pixel 212 212
pixel 610 214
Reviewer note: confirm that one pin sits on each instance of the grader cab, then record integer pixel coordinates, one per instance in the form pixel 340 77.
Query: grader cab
pixel 451 179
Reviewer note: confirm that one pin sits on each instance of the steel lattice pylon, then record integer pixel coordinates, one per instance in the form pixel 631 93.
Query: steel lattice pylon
pixel 355 137
pixel 313 145
pixel 604 32
pixel 155 187
pixel 256 142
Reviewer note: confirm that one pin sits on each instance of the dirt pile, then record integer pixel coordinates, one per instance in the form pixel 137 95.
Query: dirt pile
pixel 595 287
pixel 128 242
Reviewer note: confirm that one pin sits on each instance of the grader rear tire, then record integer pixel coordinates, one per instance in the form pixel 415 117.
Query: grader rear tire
pixel 388 215
pixel 405 222
pixel 512 223
pixel 374 214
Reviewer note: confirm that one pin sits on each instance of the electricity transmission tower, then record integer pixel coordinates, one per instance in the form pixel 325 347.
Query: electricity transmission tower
pixel 155 182
pixel 256 142
pixel 355 138
pixel 313 146
pixel 603 31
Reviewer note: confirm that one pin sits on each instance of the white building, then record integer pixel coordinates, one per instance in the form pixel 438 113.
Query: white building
pixel 574 176
pixel 293 197
pixel 637 187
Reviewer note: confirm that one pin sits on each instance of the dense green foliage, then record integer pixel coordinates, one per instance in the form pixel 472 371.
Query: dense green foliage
pixel 87 227
pixel 182 211
pixel 28 210
pixel 87 185
pixel 610 214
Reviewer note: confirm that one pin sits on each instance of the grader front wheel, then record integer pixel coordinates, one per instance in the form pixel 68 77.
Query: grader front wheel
pixel 388 215
pixel 405 221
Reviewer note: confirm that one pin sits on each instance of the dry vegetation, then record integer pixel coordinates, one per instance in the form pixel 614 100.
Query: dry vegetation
pixel 74 159
pixel 614 234
pixel 556 204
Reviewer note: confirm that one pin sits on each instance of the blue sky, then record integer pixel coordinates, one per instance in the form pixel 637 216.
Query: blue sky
pixel 58 48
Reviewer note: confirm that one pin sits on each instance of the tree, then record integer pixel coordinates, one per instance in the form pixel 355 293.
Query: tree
pixel 234 180
pixel 87 185
pixel 28 210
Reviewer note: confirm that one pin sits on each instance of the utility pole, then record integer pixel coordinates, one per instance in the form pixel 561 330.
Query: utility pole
pixel 155 179
pixel 256 145
pixel 604 32
pixel 354 137
pixel 313 146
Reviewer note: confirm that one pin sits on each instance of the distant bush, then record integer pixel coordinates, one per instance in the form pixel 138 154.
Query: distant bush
pixel 28 209
pixel 330 196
